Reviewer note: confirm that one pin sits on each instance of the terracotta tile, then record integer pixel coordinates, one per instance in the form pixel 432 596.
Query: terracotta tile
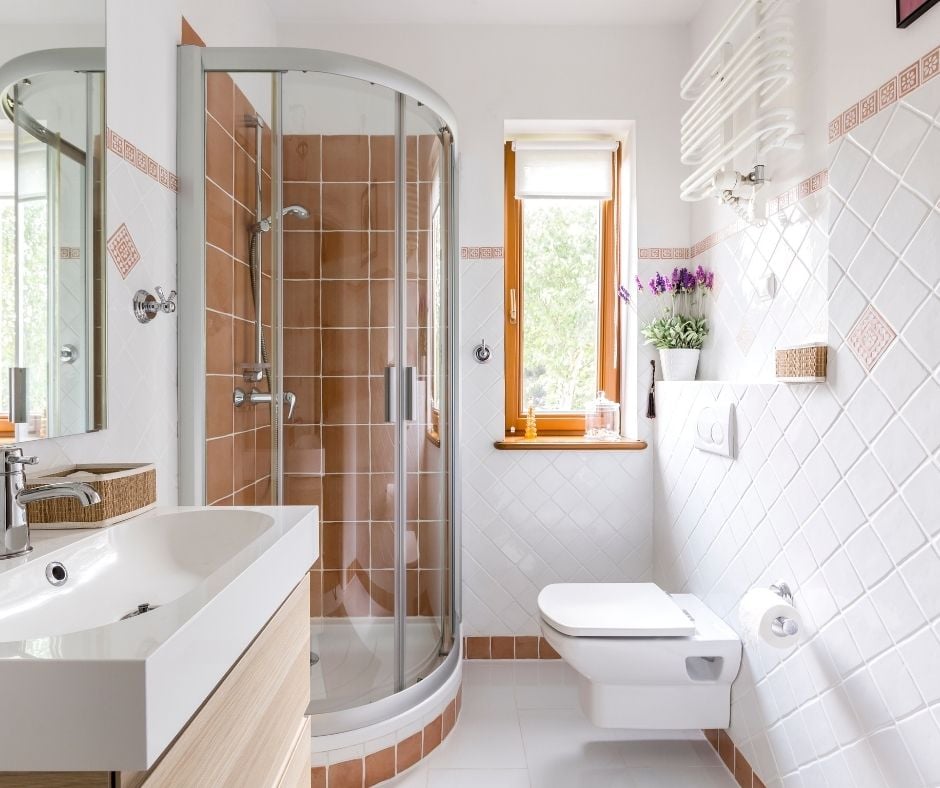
pixel 382 206
pixel 383 498
pixel 502 648
pixel 243 219
pixel 301 157
pixel 303 449
pixel 409 752
pixel 318 777
pixel 429 597
pixel 220 98
pixel 219 472
pixel 245 180
pixel 449 718
pixel 345 157
pixel 245 496
pixel 546 651
pixel 307 392
pixel 382 255
pixel 303 490
pixel 345 546
pixel 219 344
pixel 380 766
pixel 381 303
pixel 344 255
pixel 264 452
pixel 726 750
pixel 301 352
pixel 742 771
pixel 382 591
pixel 302 252
pixel 757 782
pixel 243 347
pixel 431 497
pixel 307 195
pixel 478 648
pixel 429 155
pixel 411 603
pixel 219 218
pixel 346 449
pixel 347 774
pixel 382 540
pixel 377 401
pixel 189 36
pixel 346 593
pixel 264 493
pixel 433 734
pixel 345 400
pixel 383 158
pixel 219 155
pixel 243 459
pixel 243 117
pixel 345 351
pixel 219 407
pixel 383 448
pixel 345 498
pixel 302 304
pixel 411 158
pixel 711 735
pixel 244 417
pixel 431 546
pixel 219 280
pixel 243 302
pixel 345 206
pixel 345 303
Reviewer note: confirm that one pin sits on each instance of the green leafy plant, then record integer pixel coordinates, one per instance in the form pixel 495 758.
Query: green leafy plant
pixel 672 332
pixel 683 325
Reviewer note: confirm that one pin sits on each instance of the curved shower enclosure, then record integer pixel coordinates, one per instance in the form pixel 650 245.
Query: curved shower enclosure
pixel 317 333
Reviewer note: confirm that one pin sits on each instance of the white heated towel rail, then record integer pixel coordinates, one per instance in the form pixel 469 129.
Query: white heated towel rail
pixel 727 83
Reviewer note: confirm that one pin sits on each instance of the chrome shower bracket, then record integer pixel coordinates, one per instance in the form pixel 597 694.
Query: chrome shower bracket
pixel 147 307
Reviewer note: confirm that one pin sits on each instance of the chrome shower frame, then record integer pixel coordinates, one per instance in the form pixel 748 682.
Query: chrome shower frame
pixel 194 63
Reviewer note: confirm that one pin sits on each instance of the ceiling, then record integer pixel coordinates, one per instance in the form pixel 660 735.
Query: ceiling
pixel 489 12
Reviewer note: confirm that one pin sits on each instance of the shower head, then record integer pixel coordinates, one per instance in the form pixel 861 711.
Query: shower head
pixel 296 210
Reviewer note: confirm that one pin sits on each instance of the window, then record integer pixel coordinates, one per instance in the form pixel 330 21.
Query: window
pixel 561 282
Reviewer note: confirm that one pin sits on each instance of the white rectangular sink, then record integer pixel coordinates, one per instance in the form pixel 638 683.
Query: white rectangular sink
pixel 85 688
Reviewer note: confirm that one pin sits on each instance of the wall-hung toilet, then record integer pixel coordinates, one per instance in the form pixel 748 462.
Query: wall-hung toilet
pixel 646 659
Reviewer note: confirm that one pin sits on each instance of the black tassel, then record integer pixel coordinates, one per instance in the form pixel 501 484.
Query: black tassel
pixel 651 400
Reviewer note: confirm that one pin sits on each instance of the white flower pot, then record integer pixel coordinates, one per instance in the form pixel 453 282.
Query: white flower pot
pixel 679 364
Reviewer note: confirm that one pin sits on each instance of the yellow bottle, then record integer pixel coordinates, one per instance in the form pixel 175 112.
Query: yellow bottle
pixel 531 427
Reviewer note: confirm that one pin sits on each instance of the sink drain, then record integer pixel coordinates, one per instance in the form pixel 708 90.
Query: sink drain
pixel 146 607
pixel 56 573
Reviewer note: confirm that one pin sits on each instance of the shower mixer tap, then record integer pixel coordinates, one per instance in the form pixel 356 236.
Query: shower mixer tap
pixel 255 397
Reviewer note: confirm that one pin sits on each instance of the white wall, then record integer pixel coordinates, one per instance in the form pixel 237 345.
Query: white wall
pixel 532 518
pixel 834 485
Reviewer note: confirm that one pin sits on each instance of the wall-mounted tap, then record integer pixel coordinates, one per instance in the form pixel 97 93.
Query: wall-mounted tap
pixel 255 397
pixel 14 496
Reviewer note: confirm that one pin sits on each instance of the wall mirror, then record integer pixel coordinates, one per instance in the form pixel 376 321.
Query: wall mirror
pixel 52 199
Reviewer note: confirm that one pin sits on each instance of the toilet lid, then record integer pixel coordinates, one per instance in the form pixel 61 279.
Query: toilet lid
pixel 613 610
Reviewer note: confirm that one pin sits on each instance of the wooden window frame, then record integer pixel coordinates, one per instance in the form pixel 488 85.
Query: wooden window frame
pixel 570 424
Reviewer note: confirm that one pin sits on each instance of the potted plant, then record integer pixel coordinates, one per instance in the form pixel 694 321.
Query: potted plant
pixel 681 330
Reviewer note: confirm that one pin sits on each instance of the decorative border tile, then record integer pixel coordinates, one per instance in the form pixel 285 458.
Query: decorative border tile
pixel 508 647
pixel 123 250
pixel 481 252
pixel 899 86
pixel 148 166
pixel 665 253
pixel 70 253
pixel 377 767
pixel 733 759
pixel 870 337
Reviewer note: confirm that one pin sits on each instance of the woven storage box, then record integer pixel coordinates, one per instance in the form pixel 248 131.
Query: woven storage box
pixel 804 364
pixel 126 490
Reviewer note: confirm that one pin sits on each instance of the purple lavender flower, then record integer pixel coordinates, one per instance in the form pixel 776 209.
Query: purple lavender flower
pixel 701 276
pixel 624 294
pixel 710 280
pixel 639 284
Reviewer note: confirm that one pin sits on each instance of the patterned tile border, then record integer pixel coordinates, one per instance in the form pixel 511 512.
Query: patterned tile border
pixel 377 767
pixel 664 253
pixel 870 337
pixel 508 647
pixel 70 253
pixel 733 759
pixel 148 166
pixel 907 81
pixel 481 252
pixel 123 250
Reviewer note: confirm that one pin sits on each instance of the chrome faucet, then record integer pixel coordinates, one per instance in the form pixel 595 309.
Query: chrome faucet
pixel 254 397
pixel 14 496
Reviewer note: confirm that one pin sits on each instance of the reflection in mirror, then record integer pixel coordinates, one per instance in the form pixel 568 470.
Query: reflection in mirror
pixel 51 248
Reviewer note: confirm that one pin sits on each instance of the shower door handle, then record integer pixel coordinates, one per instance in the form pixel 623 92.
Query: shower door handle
pixel 389 381
pixel 409 393
pixel 18 410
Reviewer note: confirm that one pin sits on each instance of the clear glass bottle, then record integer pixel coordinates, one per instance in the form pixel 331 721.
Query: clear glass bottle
pixel 602 419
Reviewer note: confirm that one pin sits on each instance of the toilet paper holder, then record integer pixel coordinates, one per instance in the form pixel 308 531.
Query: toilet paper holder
pixel 783 626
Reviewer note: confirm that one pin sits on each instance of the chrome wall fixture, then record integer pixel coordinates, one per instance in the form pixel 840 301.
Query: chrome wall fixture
pixel 783 626
pixel 482 352
pixel 147 307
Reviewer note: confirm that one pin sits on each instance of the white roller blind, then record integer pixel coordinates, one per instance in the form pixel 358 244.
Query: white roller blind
pixel 579 170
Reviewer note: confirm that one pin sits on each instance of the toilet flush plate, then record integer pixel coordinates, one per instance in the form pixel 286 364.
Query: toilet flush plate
pixel 714 430
pixel 613 610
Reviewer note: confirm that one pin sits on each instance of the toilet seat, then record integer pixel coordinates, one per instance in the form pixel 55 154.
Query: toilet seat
pixel 613 610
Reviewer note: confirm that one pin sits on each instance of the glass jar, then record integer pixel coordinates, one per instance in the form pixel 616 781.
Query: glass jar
pixel 602 419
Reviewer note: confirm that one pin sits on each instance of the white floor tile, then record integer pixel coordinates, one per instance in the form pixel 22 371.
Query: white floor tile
pixel 494 743
pixel 477 778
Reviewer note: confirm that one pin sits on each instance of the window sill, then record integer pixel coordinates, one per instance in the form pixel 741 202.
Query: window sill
pixel 565 443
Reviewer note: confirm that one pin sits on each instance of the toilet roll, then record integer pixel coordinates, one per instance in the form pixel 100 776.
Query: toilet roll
pixel 757 612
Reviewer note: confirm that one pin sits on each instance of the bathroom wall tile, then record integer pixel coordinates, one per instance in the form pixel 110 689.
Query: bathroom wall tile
pixel 382 151
pixel 345 158
pixel 346 303
pixel 219 155
pixel 301 157
pixel 219 218
pixel 302 251
pixel 345 351
pixel 220 98
pixel 345 206
pixel 345 255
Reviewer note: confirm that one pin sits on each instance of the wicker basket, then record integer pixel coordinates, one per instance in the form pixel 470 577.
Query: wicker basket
pixel 126 490
pixel 803 364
